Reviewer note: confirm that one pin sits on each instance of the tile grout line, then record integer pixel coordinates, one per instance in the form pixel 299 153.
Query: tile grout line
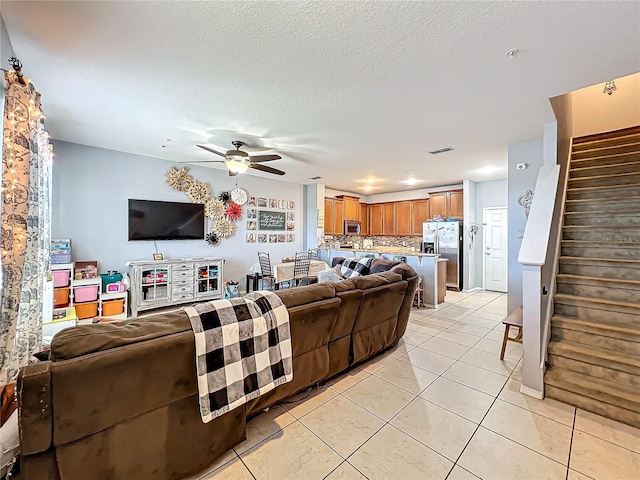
pixel 573 429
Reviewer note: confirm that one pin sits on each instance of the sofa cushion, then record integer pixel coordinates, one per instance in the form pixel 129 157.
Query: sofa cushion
pixel 84 339
pixel 390 276
pixel 344 285
pixel 292 297
pixel 369 281
pixel 404 269
pixel 382 265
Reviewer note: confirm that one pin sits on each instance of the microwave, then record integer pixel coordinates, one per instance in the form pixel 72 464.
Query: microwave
pixel 351 227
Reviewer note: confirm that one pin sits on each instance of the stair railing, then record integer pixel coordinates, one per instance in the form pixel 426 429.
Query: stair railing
pixel 539 254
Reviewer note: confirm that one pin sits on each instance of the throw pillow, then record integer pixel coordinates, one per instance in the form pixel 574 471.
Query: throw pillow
pixel 355 267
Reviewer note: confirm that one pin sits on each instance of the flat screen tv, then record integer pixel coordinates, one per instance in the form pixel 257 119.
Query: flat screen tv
pixel 155 220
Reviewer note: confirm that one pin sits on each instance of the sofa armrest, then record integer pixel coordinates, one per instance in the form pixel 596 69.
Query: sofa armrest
pixel 34 408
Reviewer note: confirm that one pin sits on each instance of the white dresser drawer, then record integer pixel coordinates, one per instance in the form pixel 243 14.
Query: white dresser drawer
pixel 182 266
pixel 182 281
pixel 178 274
pixel 181 296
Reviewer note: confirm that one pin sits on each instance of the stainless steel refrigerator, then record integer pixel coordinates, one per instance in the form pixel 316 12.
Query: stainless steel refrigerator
pixel 445 239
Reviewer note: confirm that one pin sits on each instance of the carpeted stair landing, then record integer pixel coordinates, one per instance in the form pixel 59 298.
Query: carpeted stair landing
pixel 594 352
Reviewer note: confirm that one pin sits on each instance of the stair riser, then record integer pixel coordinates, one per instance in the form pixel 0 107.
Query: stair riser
pixel 615 253
pixel 611 160
pixel 593 315
pixel 622 273
pixel 602 152
pixel 610 142
pixel 627 179
pixel 600 408
pixel 620 378
pixel 624 167
pixel 632 218
pixel 600 292
pixel 629 235
pixel 602 205
pixel 599 341
pixel 613 192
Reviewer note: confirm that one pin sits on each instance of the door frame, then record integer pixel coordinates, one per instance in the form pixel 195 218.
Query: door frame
pixel 485 211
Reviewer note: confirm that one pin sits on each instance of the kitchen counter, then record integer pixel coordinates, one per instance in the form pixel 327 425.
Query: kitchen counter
pixel 382 250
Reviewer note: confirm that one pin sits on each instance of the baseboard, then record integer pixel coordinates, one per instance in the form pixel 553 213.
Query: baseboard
pixel 531 392
pixel 474 289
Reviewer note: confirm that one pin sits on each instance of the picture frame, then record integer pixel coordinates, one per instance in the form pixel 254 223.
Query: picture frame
pixel 252 225
pixel 282 204
pixel 291 216
pixel 290 204
pixel 252 202
pixel 273 238
pixel 291 237
pixel 291 226
pixel 273 203
pixel 158 256
pixel 251 238
pixel 262 238
pixel 282 238
pixel 262 202
pixel 252 213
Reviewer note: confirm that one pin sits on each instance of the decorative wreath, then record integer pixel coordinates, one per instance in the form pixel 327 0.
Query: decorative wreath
pixel 179 179
pixel 234 211
pixel 222 211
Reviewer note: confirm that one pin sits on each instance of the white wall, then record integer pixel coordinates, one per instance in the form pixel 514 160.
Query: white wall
pixel 596 112
pixel 408 195
pixel 6 50
pixel 91 187
pixel 519 182
pixel 493 193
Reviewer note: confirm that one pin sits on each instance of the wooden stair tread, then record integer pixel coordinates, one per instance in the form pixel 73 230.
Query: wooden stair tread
pixel 591 352
pixel 603 200
pixel 623 132
pixel 594 167
pixel 597 328
pixel 599 177
pixel 600 261
pixel 609 214
pixel 604 187
pixel 600 227
pixel 594 302
pixel 604 281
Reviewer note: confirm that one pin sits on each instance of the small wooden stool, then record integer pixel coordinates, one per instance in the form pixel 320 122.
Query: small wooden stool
pixel 513 320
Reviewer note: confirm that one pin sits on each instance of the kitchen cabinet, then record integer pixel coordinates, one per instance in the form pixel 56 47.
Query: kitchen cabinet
pixel 446 204
pixel 403 218
pixel 419 215
pixel 338 217
pixel 351 207
pixel 328 216
pixel 364 219
pixel 388 218
pixel 375 219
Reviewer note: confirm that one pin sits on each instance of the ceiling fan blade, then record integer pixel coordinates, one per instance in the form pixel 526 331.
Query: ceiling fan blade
pixel 263 158
pixel 264 168
pixel 212 150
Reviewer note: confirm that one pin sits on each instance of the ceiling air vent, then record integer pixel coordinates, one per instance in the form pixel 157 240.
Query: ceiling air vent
pixel 441 150
pixel 315 178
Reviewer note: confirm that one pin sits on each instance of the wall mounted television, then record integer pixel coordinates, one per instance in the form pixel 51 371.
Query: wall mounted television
pixel 157 220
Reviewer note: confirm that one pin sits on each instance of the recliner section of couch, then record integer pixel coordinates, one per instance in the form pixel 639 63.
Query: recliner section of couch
pixel 120 401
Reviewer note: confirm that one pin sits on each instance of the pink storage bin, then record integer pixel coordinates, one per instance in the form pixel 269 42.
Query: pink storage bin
pixel 61 278
pixel 88 293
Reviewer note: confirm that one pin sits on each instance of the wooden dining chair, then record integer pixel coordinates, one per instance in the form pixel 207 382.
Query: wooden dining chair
pixel 268 280
pixel 513 320
pixel 301 266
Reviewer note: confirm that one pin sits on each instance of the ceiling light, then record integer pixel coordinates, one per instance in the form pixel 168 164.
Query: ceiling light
pixel 236 163
pixel 488 170
pixel 315 178
pixel 609 87
pixel 511 53
pixel 441 150
pixel 371 180
pixel 411 181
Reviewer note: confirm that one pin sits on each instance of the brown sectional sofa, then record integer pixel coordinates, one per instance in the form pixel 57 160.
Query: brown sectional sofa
pixel 119 401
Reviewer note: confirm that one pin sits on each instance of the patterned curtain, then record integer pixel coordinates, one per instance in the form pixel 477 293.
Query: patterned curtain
pixel 26 223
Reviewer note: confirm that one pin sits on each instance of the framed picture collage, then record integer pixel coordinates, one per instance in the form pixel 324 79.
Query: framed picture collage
pixel 270 220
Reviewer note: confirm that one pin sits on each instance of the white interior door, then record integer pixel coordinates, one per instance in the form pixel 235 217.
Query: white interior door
pixel 495 248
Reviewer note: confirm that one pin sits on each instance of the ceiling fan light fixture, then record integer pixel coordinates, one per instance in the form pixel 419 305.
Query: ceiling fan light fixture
pixel 236 164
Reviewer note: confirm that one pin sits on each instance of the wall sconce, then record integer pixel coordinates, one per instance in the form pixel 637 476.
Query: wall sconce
pixel 609 87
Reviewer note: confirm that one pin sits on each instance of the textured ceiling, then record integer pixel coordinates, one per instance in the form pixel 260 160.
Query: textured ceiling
pixel 342 90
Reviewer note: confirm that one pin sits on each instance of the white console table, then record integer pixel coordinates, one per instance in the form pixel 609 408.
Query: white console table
pixel 160 283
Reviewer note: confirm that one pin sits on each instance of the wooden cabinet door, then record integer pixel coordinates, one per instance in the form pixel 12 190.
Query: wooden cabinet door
pixel 403 218
pixel 338 217
pixel 419 215
pixel 351 208
pixel 455 204
pixel 389 219
pixel 438 204
pixel 364 219
pixel 328 216
pixel 375 219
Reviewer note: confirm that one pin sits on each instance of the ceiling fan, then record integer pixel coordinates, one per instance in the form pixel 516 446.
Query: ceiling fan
pixel 238 161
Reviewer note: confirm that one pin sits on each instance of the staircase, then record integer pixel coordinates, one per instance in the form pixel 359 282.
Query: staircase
pixel 594 352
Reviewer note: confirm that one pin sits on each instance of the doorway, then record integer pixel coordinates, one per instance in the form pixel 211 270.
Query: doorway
pixel 494 220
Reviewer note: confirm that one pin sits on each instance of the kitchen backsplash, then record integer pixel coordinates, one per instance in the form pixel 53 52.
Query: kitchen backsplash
pixel 408 241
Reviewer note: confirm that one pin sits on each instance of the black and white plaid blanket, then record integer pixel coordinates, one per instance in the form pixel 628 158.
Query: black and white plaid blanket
pixel 243 350
pixel 355 267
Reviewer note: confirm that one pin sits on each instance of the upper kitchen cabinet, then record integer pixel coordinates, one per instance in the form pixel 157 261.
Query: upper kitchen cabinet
pixel 446 204
pixel 375 219
pixel 403 218
pixel 351 210
pixel 328 216
pixel 364 219
pixel 419 215
pixel 388 218
pixel 338 217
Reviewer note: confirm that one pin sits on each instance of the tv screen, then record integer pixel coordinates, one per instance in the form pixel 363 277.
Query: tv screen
pixel 154 220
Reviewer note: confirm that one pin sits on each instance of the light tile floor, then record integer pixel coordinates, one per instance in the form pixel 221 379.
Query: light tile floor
pixel 441 405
